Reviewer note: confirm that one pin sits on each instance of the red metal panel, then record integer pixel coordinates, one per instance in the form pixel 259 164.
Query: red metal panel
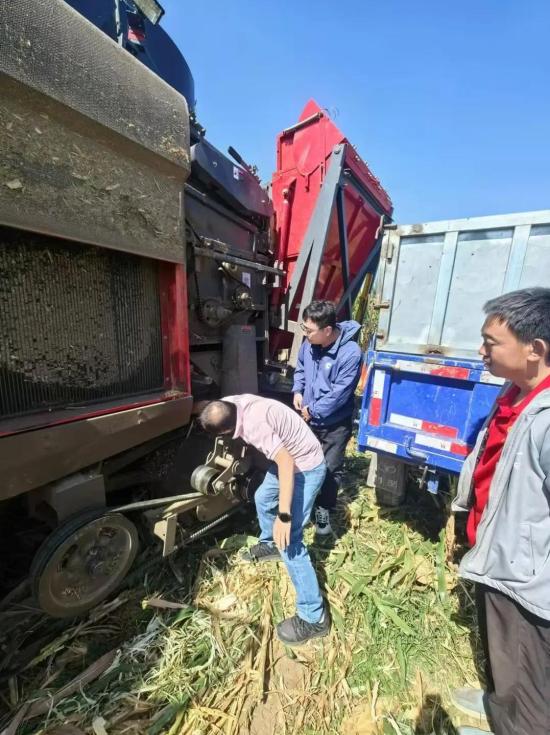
pixel 448 371
pixel 303 154
pixel 175 327
pixel 462 449
pixel 375 411
pixel 440 429
pixel 60 417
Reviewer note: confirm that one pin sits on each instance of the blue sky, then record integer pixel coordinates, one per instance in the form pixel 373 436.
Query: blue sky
pixel 448 102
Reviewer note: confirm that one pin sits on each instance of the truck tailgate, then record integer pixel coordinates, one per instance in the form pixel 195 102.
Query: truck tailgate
pixel 425 409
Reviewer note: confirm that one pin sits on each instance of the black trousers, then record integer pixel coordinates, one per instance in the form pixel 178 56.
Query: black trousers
pixel 334 440
pixel 517 649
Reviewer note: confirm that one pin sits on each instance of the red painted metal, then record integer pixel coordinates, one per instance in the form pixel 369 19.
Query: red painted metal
pixel 303 154
pixel 431 428
pixel 364 378
pixel 375 411
pixel 42 420
pixel 174 326
pixel 448 371
pixel 462 449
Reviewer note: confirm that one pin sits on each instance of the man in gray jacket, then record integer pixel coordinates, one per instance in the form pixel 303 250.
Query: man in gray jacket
pixel 505 488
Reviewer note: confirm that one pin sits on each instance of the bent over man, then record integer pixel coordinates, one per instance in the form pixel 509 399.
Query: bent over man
pixel 284 500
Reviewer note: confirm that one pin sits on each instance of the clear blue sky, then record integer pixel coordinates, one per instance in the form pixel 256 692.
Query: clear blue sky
pixel 448 102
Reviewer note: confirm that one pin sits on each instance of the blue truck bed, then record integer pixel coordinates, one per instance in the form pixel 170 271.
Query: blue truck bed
pixel 424 410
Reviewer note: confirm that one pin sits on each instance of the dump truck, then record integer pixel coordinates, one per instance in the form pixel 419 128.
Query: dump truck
pixel 428 393
pixel 144 271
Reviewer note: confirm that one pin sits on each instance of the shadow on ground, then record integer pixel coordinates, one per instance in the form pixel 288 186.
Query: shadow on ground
pixel 433 718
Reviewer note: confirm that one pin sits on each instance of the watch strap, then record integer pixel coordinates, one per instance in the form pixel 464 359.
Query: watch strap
pixel 284 517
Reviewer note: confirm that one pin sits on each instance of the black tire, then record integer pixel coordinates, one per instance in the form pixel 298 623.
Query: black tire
pixel 390 481
pixel 389 498
pixel 47 562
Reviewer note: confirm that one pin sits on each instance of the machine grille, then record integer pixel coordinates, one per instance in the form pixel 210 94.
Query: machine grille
pixel 79 324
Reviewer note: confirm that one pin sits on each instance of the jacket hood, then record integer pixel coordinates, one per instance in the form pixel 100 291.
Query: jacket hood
pixel 348 330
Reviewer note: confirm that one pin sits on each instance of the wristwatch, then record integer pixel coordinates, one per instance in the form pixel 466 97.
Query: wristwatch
pixel 284 517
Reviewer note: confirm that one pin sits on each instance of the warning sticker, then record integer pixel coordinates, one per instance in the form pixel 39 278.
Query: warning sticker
pixel 382 444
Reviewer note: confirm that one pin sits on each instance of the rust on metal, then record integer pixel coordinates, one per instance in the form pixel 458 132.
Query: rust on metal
pixel 33 458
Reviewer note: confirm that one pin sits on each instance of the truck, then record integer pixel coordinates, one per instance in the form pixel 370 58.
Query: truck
pixel 427 392
pixel 144 271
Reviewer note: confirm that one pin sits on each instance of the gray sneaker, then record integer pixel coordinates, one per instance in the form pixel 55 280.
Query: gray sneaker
pixel 295 631
pixel 322 522
pixel 472 702
pixel 465 730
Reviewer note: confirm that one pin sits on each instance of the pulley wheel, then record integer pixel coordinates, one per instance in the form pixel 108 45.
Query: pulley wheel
pixel 82 562
pixel 203 478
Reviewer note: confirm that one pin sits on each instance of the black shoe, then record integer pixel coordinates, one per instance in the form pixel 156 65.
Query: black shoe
pixel 261 552
pixel 295 631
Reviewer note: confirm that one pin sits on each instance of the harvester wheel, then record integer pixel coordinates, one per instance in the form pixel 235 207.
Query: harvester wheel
pixel 82 562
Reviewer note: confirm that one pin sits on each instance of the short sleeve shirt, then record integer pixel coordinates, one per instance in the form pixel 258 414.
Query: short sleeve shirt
pixel 270 425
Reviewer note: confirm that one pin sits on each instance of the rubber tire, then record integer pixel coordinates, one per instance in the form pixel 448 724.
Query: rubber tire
pixel 50 545
pixel 388 498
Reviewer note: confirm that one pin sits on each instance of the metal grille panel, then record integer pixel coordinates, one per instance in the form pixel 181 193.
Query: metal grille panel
pixel 79 324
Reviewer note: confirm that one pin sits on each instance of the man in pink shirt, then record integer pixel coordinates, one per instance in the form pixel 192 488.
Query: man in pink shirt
pixel 285 498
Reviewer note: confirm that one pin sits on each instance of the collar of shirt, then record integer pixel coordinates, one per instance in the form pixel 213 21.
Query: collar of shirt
pixel 505 403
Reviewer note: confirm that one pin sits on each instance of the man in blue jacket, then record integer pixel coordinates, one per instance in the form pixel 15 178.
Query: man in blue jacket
pixel 326 375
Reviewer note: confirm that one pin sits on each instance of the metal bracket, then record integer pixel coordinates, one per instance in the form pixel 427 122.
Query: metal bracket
pixel 241 262
pixel 310 256
pixel 223 465
pixel 230 462
pixel 165 529
pixel 344 252
pixel 416 453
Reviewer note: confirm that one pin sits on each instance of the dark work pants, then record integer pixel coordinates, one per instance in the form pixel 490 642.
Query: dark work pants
pixel 334 440
pixel 517 648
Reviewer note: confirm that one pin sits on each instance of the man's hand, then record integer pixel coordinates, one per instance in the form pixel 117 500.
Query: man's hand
pixel 305 414
pixel 298 398
pixel 281 534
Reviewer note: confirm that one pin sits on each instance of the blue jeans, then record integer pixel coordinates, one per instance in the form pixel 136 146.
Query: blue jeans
pixel 306 487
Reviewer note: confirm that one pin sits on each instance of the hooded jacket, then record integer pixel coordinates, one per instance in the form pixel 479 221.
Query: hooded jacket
pixel 512 550
pixel 327 376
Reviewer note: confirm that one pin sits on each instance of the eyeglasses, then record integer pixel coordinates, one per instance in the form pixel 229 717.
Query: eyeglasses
pixel 307 330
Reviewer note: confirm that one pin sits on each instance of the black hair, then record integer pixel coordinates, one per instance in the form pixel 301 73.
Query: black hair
pixel 219 417
pixel 526 313
pixel 321 313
